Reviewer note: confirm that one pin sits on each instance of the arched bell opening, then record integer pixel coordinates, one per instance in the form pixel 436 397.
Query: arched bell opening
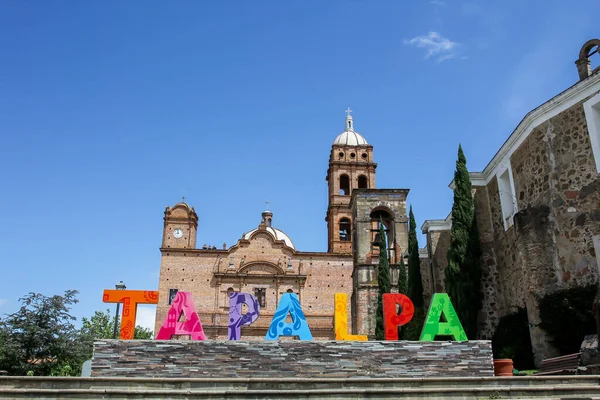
pixel 345 230
pixel 589 51
pixel 382 216
pixel 344 185
pixel 363 183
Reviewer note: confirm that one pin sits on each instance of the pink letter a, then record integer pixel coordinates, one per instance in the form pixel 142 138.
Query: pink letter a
pixel 183 303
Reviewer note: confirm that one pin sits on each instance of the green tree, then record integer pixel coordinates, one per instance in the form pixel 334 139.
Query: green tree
pixel 101 326
pixel 40 338
pixel 402 283
pixel 383 280
pixel 415 284
pixel 463 273
pixel 402 288
pixel 142 333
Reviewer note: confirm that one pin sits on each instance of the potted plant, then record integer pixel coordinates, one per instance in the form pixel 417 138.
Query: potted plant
pixel 503 366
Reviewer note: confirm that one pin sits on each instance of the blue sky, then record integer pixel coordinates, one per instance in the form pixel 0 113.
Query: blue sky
pixel 110 111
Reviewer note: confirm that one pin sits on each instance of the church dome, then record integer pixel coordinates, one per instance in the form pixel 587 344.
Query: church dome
pixel 277 233
pixel 266 224
pixel 349 137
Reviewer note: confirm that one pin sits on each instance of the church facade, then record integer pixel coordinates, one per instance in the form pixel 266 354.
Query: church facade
pixel 265 263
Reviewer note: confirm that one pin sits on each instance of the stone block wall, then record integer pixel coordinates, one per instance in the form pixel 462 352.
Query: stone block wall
pixel 550 245
pixel 298 359
pixel 438 242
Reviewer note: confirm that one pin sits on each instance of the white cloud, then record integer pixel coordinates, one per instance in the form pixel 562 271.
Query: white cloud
pixel 435 45
pixel 146 315
pixel 3 302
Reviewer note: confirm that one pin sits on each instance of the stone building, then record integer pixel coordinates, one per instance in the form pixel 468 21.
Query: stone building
pixel 264 261
pixel 538 208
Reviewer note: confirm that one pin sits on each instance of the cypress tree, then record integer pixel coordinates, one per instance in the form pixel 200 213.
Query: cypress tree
pixel 402 288
pixel 415 284
pixel 383 280
pixel 463 273
pixel 402 283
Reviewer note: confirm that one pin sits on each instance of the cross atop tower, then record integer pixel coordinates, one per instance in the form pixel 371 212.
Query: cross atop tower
pixel 267 205
pixel 348 111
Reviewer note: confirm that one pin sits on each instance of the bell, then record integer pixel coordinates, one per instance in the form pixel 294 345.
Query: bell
pixel 377 241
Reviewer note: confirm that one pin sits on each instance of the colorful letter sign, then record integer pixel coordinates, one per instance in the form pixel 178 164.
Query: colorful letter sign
pixel 130 300
pixel 392 320
pixel 236 319
pixel 440 303
pixel 183 303
pixel 340 318
pixel 298 327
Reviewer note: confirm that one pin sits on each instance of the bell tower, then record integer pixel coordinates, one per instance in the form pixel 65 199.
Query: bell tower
pixel 181 224
pixel 351 166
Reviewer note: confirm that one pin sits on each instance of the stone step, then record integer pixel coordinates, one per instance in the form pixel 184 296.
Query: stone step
pixel 538 392
pixel 555 387
pixel 211 384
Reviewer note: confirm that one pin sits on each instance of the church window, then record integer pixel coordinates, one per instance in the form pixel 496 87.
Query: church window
pixel 592 117
pixel 362 182
pixel 344 185
pixel 352 155
pixel 508 200
pixel 364 156
pixel 260 294
pixel 345 230
pixel 341 155
pixel 290 291
pixel 172 294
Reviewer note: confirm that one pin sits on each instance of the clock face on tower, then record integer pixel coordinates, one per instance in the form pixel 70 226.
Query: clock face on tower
pixel 177 233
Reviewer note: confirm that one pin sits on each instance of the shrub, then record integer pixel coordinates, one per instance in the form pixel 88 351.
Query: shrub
pixel 567 317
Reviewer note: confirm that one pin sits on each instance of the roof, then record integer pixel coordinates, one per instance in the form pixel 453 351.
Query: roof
pixel 278 234
pixel 350 138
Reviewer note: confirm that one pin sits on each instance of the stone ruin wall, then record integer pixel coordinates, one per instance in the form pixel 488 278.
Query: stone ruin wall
pixel 425 280
pixel 492 304
pixel 550 246
pixel 438 242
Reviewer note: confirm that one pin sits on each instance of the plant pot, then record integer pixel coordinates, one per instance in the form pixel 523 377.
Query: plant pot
pixel 503 367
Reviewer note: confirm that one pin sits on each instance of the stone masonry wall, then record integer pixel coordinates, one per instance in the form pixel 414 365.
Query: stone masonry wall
pixel 550 246
pixel 438 242
pixel 491 286
pixel 426 280
pixel 299 359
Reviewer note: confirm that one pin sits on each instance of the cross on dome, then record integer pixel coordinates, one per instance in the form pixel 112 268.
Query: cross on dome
pixel 349 137
pixel 349 122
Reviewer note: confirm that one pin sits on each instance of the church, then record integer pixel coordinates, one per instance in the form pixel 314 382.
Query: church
pixel 537 204
pixel 265 263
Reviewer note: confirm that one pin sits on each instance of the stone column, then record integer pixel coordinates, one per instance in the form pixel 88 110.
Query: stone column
pixel 536 250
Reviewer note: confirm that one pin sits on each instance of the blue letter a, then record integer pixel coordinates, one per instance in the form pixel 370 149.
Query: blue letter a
pixel 298 327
